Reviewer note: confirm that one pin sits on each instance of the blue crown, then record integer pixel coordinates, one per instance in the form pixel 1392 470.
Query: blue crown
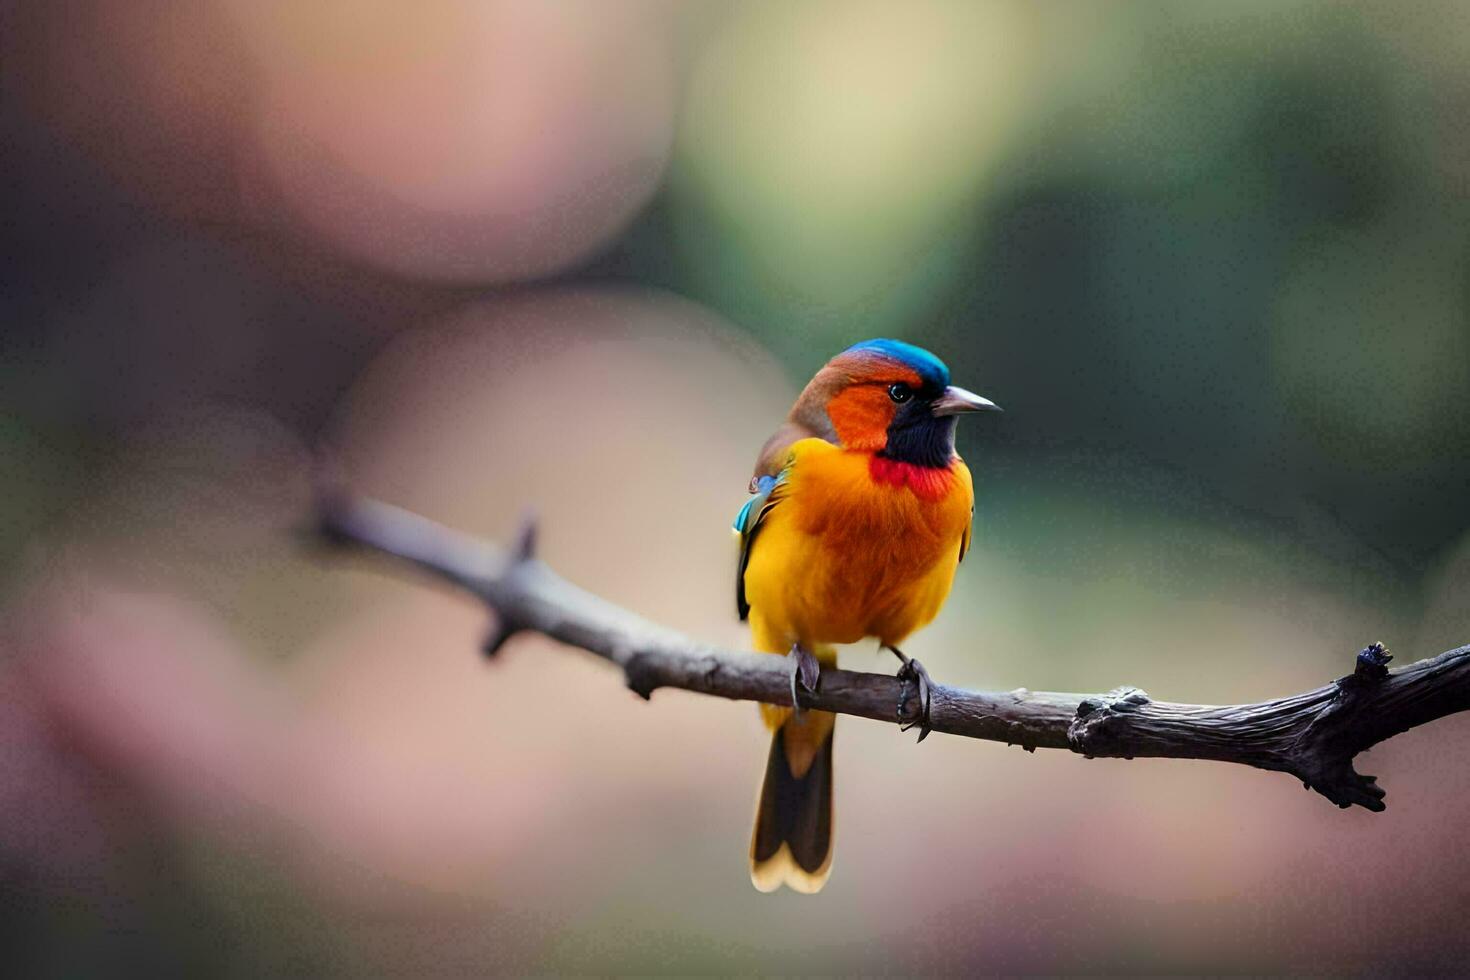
pixel 934 371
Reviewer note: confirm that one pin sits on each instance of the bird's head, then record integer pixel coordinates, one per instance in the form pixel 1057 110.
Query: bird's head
pixel 889 398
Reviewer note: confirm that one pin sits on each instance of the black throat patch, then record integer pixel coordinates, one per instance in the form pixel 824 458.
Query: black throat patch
pixel 916 436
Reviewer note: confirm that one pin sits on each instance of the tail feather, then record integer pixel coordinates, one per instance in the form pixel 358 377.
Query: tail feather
pixel 792 841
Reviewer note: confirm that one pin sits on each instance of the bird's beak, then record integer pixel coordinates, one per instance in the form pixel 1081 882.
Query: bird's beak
pixel 957 400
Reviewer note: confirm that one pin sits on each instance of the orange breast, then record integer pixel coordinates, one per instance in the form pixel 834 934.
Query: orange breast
pixel 856 548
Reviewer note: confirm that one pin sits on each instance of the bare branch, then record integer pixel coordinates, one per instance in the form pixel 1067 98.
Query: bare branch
pixel 1314 735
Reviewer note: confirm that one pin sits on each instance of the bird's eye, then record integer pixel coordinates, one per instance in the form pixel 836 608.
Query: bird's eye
pixel 900 392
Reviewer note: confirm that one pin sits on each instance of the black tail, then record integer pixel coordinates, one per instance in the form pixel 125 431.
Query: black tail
pixel 792 843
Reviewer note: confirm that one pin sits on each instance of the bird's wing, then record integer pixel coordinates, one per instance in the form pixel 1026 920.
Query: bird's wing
pixel 748 524
pixel 773 455
pixel 769 491
pixel 776 457
pixel 967 484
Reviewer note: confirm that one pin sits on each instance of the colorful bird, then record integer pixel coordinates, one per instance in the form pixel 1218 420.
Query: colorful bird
pixel 862 514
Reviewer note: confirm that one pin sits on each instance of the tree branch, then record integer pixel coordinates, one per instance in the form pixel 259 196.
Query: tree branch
pixel 1314 736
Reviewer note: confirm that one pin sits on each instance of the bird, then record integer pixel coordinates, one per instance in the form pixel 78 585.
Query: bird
pixel 861 514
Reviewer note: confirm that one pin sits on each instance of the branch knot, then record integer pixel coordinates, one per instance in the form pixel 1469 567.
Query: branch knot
pixel 1372 663
pixel 1323 755
pixel 1101 724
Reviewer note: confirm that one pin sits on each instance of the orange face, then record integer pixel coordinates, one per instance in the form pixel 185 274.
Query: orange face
pixel 863 409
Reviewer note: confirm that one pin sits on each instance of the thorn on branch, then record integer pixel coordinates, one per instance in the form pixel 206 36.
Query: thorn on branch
pixel 525 544
pixel 522 551
pixel 1372 662
pixel 639 677
pixel 503 630
pixel 1343 785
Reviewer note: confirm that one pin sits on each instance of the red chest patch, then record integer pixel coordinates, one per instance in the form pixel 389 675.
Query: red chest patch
pixel 927 482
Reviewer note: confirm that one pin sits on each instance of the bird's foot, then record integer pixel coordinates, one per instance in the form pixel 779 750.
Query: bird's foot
pixel 805 672
pixel 913 672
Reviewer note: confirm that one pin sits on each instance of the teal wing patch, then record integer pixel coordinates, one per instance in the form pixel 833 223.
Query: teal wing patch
pixel 748 524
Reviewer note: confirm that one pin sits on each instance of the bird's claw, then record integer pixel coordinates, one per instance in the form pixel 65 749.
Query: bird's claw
pixel 805 673
pixel 913 672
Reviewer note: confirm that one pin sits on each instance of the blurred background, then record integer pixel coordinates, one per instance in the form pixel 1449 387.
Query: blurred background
pixel 1212 259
